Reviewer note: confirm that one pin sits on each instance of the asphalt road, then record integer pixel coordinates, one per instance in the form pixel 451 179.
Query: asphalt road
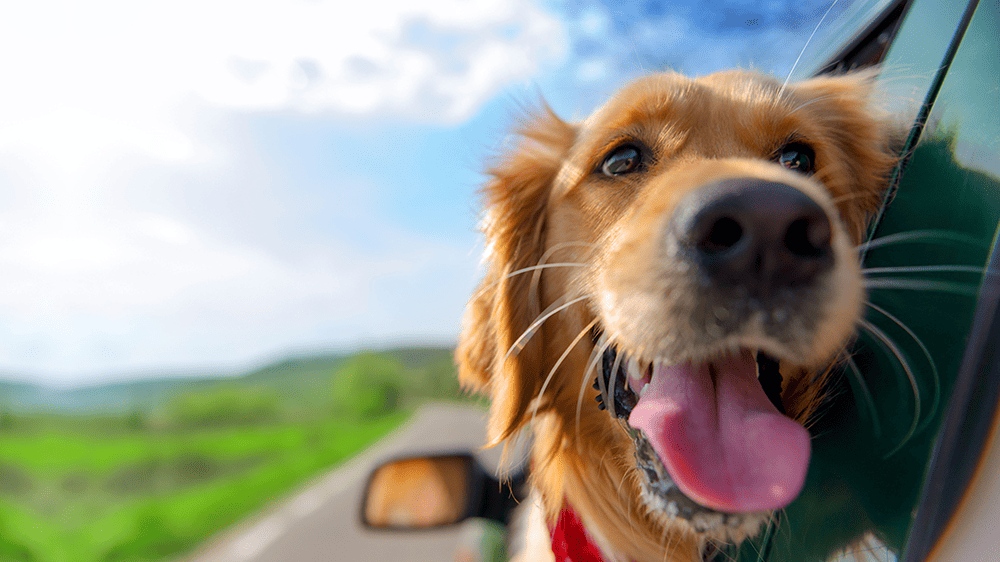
pixel 319 523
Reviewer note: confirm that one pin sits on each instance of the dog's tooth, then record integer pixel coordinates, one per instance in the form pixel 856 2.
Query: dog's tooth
pixel 633 370
pixel 657 366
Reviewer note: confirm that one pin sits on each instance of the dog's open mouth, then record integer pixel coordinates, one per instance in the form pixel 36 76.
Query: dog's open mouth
pixel 711 437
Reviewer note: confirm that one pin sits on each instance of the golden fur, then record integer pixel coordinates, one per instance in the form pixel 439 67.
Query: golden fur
pixel 546 205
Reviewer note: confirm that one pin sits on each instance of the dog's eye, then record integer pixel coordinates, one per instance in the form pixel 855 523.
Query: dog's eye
pixel 625 159
pixel 797 157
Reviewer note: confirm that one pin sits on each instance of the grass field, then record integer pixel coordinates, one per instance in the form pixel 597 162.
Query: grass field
pixel 152 485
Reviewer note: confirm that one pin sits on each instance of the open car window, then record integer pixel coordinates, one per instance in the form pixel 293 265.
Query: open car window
pixel 961 139
pixel 920 391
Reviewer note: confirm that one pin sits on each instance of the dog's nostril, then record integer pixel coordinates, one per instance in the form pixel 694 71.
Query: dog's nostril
pixel 808 237
pixel 724 233
pixel 756 234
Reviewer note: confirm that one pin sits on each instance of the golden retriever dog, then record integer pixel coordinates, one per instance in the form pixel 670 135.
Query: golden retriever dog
pixel 668 283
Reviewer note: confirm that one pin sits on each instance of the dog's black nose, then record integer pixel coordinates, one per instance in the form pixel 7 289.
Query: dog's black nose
pixel 758 234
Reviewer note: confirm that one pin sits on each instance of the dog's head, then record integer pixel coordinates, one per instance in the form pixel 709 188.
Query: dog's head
pixel 690 247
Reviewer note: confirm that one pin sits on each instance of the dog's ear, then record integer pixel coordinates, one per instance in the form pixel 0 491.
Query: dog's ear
pixel 492 356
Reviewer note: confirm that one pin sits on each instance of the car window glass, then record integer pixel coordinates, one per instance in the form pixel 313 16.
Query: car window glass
pixel 916 54
pixel 834 35
pixel 912 60
pixel 967 107
pixel 870 47
pixel 871 450
pixel 961 141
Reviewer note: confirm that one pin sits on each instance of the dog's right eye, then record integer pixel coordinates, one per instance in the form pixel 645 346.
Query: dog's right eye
pixel 625 159
pixel 798 157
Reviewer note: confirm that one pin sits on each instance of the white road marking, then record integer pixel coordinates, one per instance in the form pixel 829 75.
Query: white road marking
pixel 422 434
pixel 254 541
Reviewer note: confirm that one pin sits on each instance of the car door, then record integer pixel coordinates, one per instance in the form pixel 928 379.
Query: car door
pixel 905 429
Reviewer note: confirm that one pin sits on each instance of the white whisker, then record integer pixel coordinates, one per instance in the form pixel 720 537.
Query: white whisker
pixel 555 367
pixel 530 331
pixel 536 276
pixel 866 396
pixel 483 290
pixel 804 47
pixel 924 269
pixel 810 102
pixel 629 471
pixel 595 357
pixel 934 371
pixel 921 285
pixel 891 346
pixel 919 235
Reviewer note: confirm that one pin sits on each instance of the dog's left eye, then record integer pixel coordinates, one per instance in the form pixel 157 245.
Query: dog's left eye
pixel 625 159
pixel 797 157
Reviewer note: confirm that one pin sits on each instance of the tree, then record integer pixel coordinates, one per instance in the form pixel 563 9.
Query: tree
pixel 369 385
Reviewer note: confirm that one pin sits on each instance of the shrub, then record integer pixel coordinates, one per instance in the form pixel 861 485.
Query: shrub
pixel 223 406
pixel 369 385
pixel 152 539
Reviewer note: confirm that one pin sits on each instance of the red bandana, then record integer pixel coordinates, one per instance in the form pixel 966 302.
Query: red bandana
pixel 570 541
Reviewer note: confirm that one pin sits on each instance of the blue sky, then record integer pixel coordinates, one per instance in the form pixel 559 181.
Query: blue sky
pixel 207 184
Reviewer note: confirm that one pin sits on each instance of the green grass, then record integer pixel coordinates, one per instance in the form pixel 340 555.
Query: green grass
pixel 151 485
pixel 152 495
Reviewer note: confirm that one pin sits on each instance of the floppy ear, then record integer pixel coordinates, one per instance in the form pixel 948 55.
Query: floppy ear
pixel 504 305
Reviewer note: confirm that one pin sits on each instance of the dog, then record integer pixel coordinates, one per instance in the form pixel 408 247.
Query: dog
pixel 668 283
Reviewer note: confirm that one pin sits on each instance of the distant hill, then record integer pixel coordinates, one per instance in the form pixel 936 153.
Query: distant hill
pixel 288 376
pixel 111 397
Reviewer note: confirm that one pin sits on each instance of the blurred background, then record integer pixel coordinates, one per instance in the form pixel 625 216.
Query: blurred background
pixel 236 237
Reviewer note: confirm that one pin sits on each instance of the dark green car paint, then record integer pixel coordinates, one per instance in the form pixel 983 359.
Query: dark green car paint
pixel 873 444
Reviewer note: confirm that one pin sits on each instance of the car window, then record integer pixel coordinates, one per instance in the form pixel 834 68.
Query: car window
pixel 962 140
pixel 918 33
pixel 870 46
pixel 834 38
pixel 873 446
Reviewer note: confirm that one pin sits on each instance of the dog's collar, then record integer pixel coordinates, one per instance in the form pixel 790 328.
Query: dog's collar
pixel 572 543
pixel 570 540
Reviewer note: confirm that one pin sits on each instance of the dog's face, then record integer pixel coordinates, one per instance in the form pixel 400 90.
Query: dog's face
pixel 689 246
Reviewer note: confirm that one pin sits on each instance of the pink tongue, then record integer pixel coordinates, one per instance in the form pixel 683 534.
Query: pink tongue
pixel 723 442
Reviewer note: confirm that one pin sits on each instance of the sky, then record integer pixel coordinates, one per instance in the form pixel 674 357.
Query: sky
pixel 202 185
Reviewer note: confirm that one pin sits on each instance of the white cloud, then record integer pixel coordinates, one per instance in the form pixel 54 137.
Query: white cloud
pixel 118 68
pixel 147 265
pixel 593 70
pixel 88 82
pixel 105 102
pixel 137 290
pixel 594 21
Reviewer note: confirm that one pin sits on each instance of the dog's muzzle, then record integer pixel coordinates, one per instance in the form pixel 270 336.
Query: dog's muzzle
pixel 759 251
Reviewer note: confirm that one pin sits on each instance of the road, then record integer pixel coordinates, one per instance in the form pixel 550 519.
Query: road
pixel 319 523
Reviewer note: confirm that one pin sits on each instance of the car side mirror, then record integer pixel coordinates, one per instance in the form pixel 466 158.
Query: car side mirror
pixel 426 492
